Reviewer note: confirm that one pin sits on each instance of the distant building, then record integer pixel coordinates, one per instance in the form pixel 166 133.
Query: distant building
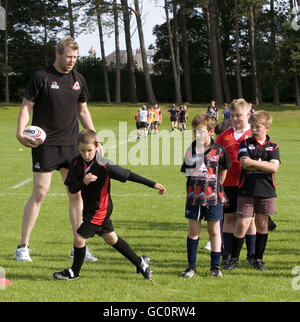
pixel 92 52
pixel 137 57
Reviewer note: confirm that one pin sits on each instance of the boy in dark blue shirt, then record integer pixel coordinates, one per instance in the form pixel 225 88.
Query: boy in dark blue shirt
pixel 260 160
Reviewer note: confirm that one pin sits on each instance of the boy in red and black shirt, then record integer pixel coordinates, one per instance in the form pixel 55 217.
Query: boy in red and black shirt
pixel 205 166
pixel 90 173
pixel 260 160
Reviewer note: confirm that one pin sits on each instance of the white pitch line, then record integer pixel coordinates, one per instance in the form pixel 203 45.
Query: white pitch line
pixel 21 183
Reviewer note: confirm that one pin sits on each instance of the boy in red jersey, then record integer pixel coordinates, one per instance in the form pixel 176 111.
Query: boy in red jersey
pixel 230 140
pixel 256 192
pixel 90 173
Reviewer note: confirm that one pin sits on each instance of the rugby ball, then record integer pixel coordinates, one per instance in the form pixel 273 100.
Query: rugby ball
pixel 36 133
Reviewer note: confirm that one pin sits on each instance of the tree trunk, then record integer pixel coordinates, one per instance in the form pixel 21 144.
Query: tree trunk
pixel 71 19
pixel 238 54
pixel 297 86
pixel 6 54
pixel 118 68
pixel 175 38
pixel 130 62
pixel 276 99
pixel 225 84
pixel 175 76
pixel 255 85
pixel 185 58
pixel 105 76
pixel 214 54
pixel 149 89
pixel 296 77
pixel 45 20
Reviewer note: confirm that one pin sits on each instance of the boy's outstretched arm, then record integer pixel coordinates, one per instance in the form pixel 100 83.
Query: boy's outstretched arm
pixel 161 188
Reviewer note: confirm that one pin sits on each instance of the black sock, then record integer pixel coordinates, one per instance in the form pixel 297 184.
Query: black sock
pixel 122 247
pixel 260 245
pixel 237 244
pixel 79 254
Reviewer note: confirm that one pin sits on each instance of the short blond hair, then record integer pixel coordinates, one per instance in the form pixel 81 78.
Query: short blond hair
pixel 66 42
pixel 205 120
pixel 261 117
pixel 239 104
pixel 88 136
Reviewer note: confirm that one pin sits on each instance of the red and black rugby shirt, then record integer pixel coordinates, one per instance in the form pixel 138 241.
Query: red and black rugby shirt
pixel 97 203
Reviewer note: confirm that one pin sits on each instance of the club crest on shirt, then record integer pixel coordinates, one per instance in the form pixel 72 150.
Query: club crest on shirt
pixel 54 85
pixel 76 86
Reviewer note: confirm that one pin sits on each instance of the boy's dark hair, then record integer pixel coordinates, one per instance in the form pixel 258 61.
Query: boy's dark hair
pixel 88 136
pixel 221 127
pixel 204 119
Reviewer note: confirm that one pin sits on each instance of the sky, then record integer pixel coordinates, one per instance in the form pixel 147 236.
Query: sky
pixel 152 13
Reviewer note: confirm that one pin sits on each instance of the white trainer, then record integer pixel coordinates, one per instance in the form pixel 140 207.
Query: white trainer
pixel 207 246
pixel 88 256
pixel 22 254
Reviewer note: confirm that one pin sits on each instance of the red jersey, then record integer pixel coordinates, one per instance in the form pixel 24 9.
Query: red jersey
pixel 228 140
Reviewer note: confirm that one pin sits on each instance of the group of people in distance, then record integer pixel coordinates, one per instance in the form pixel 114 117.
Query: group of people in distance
pixel 178 117
pixel 229 181
pixel 148 120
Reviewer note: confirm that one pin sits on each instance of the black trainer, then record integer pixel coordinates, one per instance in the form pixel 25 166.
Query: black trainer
pixel 259 264
pixel 67 275
pixel 231 264
pixel 144 267
pixel 250 260
pixel 225 257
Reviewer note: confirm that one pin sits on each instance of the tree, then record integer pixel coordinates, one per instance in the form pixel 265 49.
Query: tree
pixel 178 96
pixel 295 49
pixel 130 61
pixel 71 19
pixel 6 55
pixel 237 50
pixel 214 52
pixel 185 52
pixel 117 44
pixel 149 89
pixel 98 9
pixel 256 92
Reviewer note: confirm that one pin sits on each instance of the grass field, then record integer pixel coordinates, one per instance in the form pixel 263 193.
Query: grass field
pixel 153 225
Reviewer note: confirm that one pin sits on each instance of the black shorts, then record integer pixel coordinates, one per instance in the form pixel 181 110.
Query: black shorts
pixel 143 124
pixel 231 194
pixel 173 118
pixel 46 158
pixel 88 230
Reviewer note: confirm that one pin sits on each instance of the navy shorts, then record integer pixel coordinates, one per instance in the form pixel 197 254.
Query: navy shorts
pixel 200 212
